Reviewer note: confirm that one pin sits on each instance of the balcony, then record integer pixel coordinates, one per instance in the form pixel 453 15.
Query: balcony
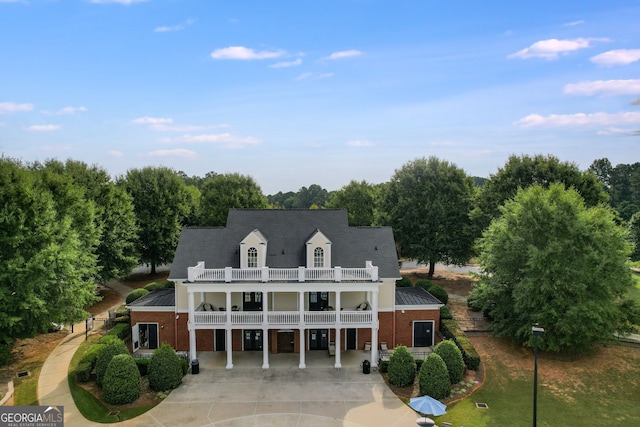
pixel 279 319
pixel 265 274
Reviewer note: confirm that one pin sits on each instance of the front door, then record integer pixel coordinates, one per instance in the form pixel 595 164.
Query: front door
pixel 318 301
pixel 252 301
pixel 423 334
pixel 286 342
pixel 318 339
pixel 220 339
pixel 352 339
pixel 252 340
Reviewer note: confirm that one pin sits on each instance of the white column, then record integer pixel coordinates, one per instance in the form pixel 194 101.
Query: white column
pixel 229 347
pixel 191 326
pixel 338 362
pixel 228 307
pixel 374 328
pixel 303 347
pixel 265 348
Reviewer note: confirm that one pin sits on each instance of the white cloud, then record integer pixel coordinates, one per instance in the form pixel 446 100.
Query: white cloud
pixel 115 153
pixel 178 152
pixel 607 87
pixel 226 140
pixel 173 28
pixel 44 128
pixel 615 131
pixel 358 143
pixel 243 53
pixel 573 23
pixel 161 127
pixel 12 107
pixel 66 110
pixel 552 48
pixel 344 54
pixel 314 76
pixel 152 121
pixel 125 2
pixel 617 57
pixel 287 64
pixel 579 119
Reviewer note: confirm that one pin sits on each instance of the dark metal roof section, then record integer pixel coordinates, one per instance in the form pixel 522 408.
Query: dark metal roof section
pixel 157 298
pixel 415 296
pixel 287 231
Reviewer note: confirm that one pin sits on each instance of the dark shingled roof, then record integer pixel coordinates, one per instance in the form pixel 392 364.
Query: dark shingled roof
pixel 287 231
pixel 157 298
pixel 415 296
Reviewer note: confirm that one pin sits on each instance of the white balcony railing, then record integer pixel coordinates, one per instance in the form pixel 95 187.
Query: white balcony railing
pixel 265 274
pixel 280 318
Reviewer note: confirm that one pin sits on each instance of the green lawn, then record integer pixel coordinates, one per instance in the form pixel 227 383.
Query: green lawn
pixel 581 394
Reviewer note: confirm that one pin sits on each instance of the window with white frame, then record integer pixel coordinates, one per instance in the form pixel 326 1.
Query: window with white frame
pixel 318 257
pixel 252 258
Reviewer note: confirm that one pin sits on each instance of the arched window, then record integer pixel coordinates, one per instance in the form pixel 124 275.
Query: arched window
pixel 318 257
pixel 252 258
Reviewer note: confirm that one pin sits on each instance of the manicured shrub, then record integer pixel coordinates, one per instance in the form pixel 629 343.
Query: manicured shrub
pixel 121 330
pixel 169 284
pixel 83 371
pixel 452 331
pixel 135 294
pixel 452 357
pixel 123 319
pixel 433 378
pixel 185 366
pixel 404 282
pixel 5 354
pixel 440 293
pixel 445 313
pixel 424 284
pixel 109 339
pixel 165 369
pixel 402 367
pixel 121 382
pixel 153 286
pixel 105 357
pixel 92 354
pixel 143 366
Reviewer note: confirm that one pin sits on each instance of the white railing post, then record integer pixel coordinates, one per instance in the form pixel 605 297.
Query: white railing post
pixel 265 275
pixel 300 274
pixel 227 275
pixel 191 274
pixel 338 274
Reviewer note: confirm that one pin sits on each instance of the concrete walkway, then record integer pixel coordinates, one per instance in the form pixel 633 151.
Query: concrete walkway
pixel 283 395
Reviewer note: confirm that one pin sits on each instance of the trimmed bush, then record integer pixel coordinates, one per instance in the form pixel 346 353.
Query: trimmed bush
pixel 405 282
pixel 92 354
pixel 121 382
pixel 452 331
pixel 434 378
pixel 445 313
pixel 123 319
pixel 440 293
pixel 169 284
pixel 5 354
pixel 452 357
pixel 121 330
pixel 153 286
pixel 135 294
pixel 165 369
pixel 402 367
pixel 185 366
pixel 83 371
pixel 109 339
pixel 424 284
pixel 105 357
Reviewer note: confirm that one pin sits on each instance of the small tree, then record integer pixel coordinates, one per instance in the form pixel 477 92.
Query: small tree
pixel 105 357
pixel 434 378
pixel 402 367
pixel 165 370
pixel 121 383
pixel 452 357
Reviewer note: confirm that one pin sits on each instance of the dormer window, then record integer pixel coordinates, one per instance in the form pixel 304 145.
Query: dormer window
pixel 252 258
pixel 318 258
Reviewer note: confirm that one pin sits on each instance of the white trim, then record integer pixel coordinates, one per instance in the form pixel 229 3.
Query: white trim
pixel 164 309
pixel 419 307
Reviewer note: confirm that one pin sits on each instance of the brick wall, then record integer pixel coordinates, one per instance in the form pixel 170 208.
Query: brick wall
pixel 404 324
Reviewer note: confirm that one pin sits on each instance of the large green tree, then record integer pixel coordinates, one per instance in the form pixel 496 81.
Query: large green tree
pixel 360 199
pixel 161 204
pixel 550 259
pixel 525 171
pixel 429 202
pixel 45 270
pixel 228 191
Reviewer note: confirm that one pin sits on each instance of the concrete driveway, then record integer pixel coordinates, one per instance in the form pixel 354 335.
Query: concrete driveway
pixel 283 395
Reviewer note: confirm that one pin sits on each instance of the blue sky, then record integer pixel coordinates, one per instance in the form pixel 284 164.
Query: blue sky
pixel 301 92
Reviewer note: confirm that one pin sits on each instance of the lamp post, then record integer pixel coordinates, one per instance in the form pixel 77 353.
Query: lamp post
pixel 537 332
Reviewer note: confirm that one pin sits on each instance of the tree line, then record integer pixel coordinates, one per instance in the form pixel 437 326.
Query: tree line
pixel 66 226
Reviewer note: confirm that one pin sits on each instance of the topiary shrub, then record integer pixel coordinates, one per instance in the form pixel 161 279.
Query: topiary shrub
pixel 433 378
pixel 105 357
pixel 440 293
pixel 445 313
pixel 153 286
pixel 404 282
pixel 451 330
pixel 169 284
pixel 452 357
pixel 121 382
pixel 424 284
pixel 5 354
pixel 83 371
pixel 135 294
pixel 165 369
pixel 121 330
pixel 402 367
pixel 109 339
